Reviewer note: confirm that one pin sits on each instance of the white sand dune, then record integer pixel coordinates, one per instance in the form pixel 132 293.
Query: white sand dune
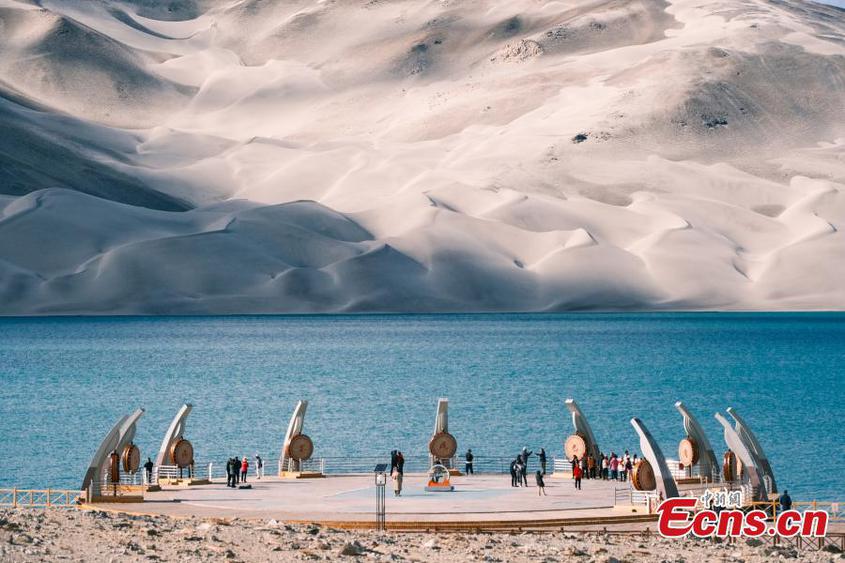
pixel 244 156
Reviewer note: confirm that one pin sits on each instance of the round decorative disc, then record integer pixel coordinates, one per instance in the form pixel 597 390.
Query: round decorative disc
pixel 182 453
pixel 300 447
pixel 642 476
pixel 443 445
pixel 114 467
pixel 131 458
pixel 729 471
pixel 688 451
pixel 575 446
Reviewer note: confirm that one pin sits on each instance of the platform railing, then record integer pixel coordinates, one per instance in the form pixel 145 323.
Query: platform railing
pixel 835 510
pixel 172 472
pixel 39 498
pixel 633 497
pixel 340 465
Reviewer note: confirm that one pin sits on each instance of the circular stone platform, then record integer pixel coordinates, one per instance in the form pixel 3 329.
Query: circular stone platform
pixel 350 499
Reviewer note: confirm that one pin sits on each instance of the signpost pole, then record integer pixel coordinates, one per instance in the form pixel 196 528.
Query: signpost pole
pixel 381 483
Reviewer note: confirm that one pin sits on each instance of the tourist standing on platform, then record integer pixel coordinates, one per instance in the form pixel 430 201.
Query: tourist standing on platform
pixel 515 472
pixel 576 473
pixel 244 469
pixel 591 467
pixel 400 462
pixel 393 460
pixel 604 467
pixel 524 455
pixel 149 468
pixel 259 466
pixel 614 467
pixel 583 464
pixel 469 457
pixel 397 481
pixel 541 485
pixel 523 466
pixel 574 462
pixel 785 501
pixel 542 456
pixel 230 473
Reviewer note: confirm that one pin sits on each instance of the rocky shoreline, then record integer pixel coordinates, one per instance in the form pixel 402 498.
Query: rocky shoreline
pixel 72 535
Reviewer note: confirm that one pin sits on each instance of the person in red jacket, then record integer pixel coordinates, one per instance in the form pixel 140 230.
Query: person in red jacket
pixel 244 469
pixel 576 473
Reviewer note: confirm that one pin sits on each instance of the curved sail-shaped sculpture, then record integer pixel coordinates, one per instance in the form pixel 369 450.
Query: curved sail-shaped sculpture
pixel 174 433
pixel 750 462
pixel 582 429
pixel 708 466
pixel 442 446
pixel 750 440
pixel 665 483
pixel 297 447
pixel 120 435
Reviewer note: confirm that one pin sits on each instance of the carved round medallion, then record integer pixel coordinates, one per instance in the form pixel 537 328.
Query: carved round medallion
pixel 576 446
pixel 130 458
pixel 114 467
pixel 729 466
pixel 182 453
pixel 443 445
pixel 688 451
pixel 300 447
pixel 642 476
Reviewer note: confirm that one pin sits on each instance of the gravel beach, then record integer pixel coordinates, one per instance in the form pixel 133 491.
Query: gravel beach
pixel 71 535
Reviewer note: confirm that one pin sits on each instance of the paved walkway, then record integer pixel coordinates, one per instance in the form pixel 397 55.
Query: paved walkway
pixel 352 498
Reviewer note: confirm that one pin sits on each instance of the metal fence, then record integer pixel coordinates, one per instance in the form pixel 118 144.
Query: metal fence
pixel 59 498
pixel 345 465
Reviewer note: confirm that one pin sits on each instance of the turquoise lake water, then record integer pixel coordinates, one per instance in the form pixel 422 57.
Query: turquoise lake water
pixel 373 383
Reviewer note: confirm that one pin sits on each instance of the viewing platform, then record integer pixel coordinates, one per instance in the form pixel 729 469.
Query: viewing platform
pixel 348 501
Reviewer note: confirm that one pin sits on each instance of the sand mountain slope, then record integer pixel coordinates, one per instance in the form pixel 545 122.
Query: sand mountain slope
pixel 225 156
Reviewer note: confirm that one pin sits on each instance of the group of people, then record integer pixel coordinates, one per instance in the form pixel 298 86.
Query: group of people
pixel 613 467
pixel 397 471
pixel 238 469
pixel 519 468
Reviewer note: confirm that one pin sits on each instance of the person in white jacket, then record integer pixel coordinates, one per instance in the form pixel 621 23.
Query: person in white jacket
pixel 259 467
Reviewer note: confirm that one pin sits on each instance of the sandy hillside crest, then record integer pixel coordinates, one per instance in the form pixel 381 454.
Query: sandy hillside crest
pixel 487 155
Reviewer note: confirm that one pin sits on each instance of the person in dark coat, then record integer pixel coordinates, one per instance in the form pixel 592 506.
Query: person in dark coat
pixel 230 479
pixel 514 481
pixel 149 468
pixel 541 485
pixel 523 459
pixel 785 501
pixel 236 470
pixel 542 456
pixel 392 460
pixel 400 463
pixel 469 457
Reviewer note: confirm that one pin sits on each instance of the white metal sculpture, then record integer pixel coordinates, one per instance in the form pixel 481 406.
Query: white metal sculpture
pixel 664 481
pixel 707 463
pixel 175 432
pixel 582 429
pixel 297 447
pixel 442 446
pixel 121 434
pixel 750 440
pixel 750 462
